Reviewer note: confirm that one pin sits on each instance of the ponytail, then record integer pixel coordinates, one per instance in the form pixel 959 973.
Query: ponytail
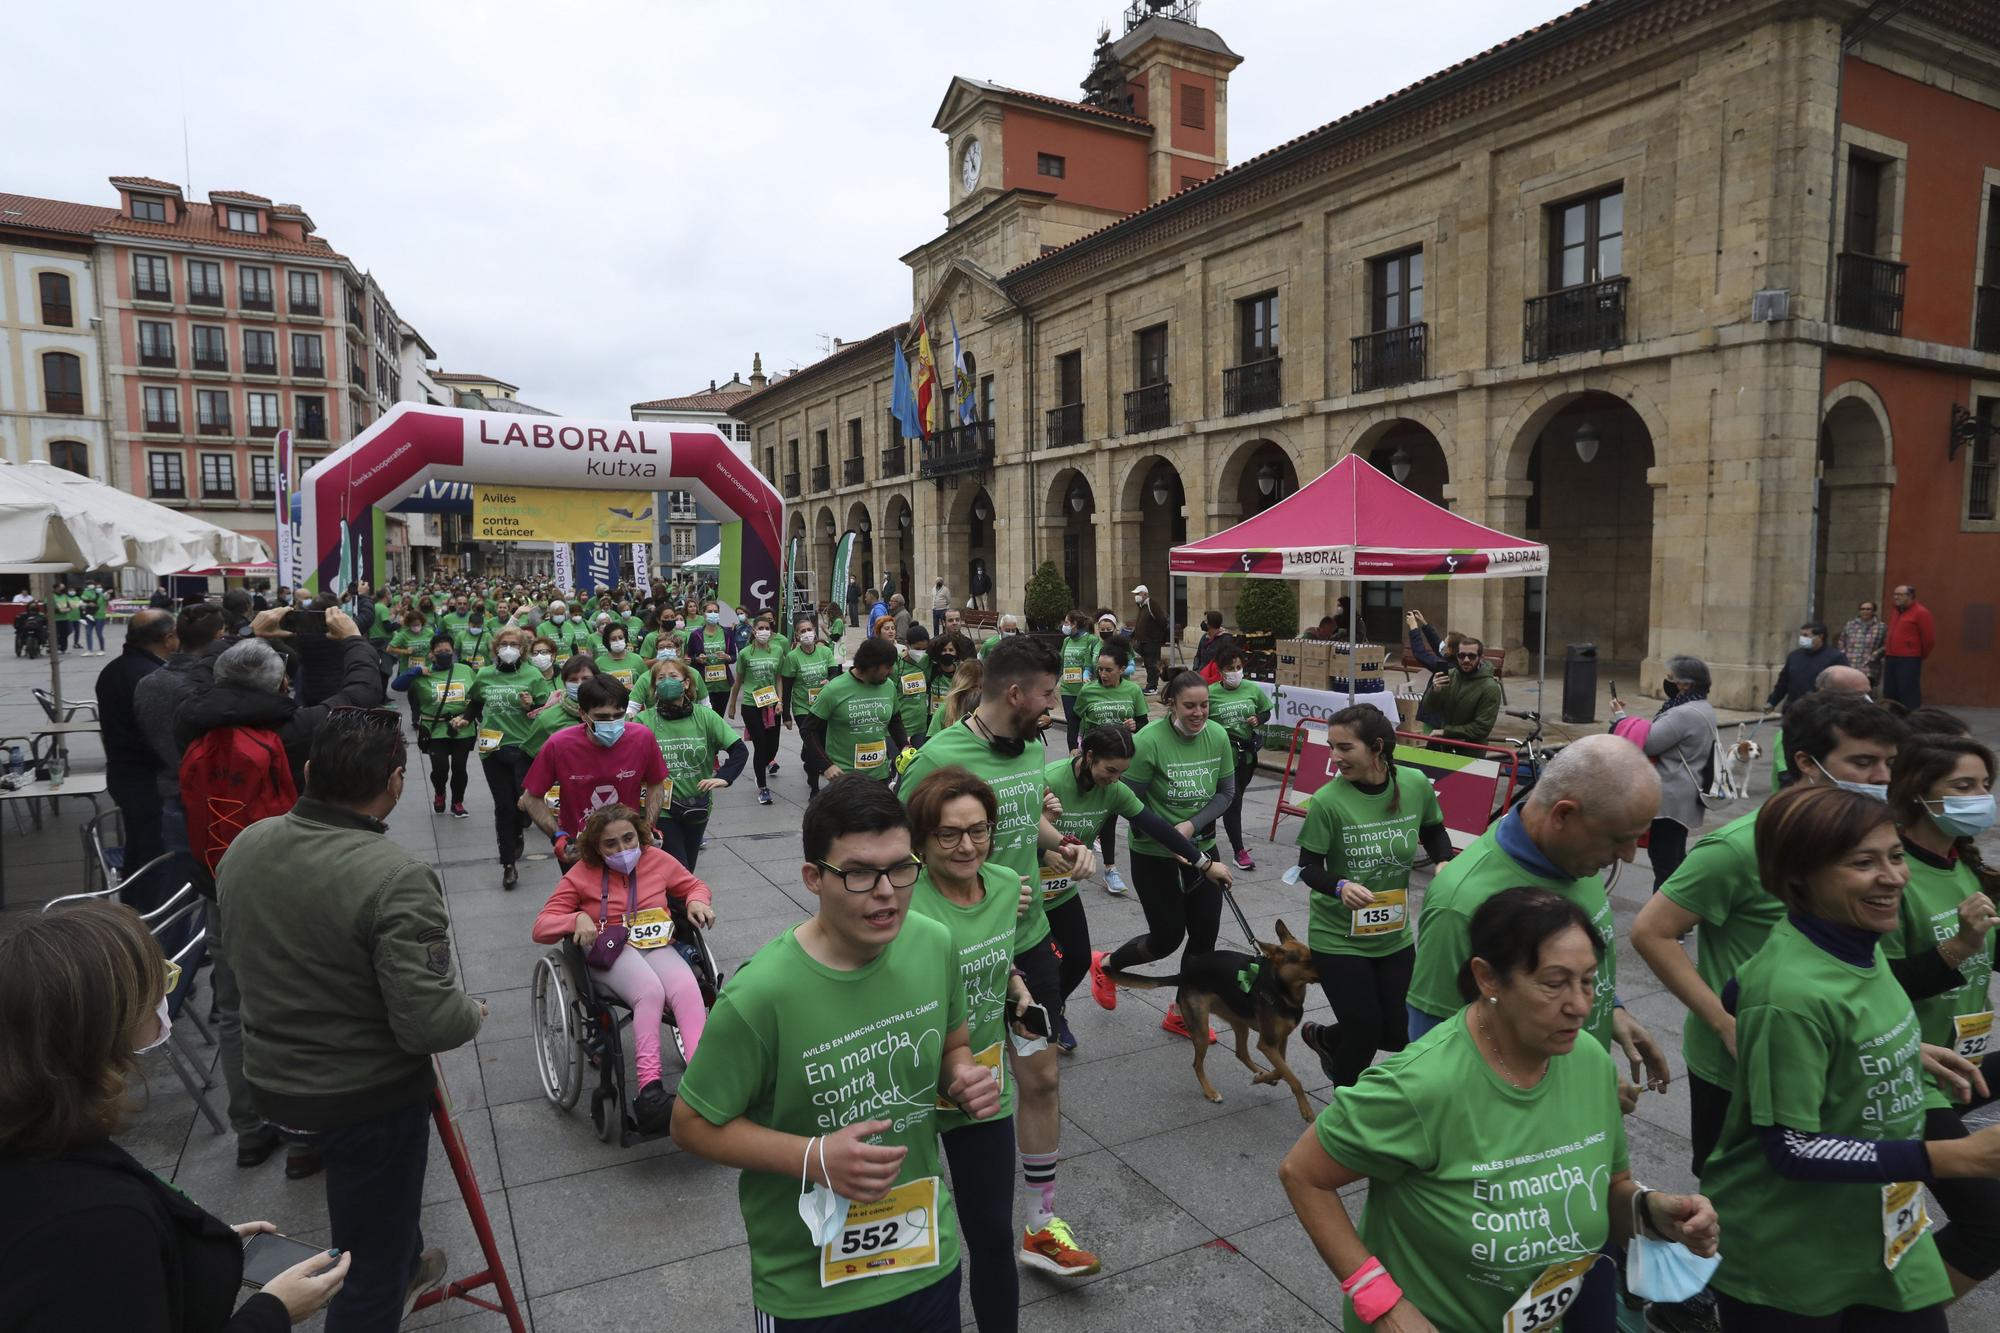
pixel 1376 732
pixel 1100 743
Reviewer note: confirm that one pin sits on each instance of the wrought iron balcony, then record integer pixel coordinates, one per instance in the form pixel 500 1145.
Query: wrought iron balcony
pixel 1255 386
pixel 851 473
pixel 1388 357
pixel 822 478
pixel 1149 408
pixel 1065 425
pixel 1589 317
pixel 1986 322
pixel 895 459
pixel 1979 495
pixel 791 485
pixel 1870 294
pixel 958 450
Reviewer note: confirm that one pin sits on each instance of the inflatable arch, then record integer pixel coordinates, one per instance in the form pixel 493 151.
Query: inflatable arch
pixel 415 448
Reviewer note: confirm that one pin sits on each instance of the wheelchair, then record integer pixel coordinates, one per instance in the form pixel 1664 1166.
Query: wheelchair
pixel 579 1024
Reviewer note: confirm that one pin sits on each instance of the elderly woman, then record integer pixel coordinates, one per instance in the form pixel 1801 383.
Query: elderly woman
pixel 1680 740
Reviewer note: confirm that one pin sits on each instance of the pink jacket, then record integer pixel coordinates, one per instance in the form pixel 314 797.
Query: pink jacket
pixel 660 878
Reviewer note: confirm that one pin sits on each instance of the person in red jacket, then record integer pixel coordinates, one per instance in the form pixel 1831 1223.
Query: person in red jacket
pixel 1912 635
pixel 619 878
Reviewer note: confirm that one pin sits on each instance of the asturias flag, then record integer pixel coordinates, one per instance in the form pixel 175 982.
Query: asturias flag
pixel 961 381
pixel 928 407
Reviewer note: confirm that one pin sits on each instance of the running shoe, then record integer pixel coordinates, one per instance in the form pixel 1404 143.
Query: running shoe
pixel 430 1272
pixel 437 804
pixel 1243 861
pixel 1114 883
pixel 509 876
pixel 1065 1039
pixel 763 796
pixel 1102 988
pixel 458 810
pixel 1319 1039
pixel 1053 1250
pixel 774 770
pixel 1697 1314
pixel 1177 1025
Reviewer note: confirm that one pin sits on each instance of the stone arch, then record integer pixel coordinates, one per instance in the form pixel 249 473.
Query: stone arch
pixel 1073 533
pixel 968 541
pixel 1414 437
pixel 897 543
pixel 1369 427
pixel 1525 427
pixel 1146 529
pixel 1853 482
pixel 862 525
pixel 824 534
pixel 1239 457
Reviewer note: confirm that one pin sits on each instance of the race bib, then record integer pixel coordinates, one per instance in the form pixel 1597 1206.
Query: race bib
pixel 454 692
pixel 716 673
pixel 1055 883
pixel 1904 1220
pixel 623 675
pixel 1548 1297
pixel 1072 675
pixel 489 740
pixel 870 754
pixel 649 929
pixel 812 694
pixel 1384 916
pixel 896 1234
pixel 990 1057
pixel 1970 1033
pixel 765 696
pixel 913 685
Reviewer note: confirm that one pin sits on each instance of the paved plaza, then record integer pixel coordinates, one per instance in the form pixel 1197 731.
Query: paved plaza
pixel 1178 1196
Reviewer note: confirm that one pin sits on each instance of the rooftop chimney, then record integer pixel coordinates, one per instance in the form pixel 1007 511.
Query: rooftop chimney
pixel 757 380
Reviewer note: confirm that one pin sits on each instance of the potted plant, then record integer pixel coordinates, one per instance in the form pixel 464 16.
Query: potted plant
pixel 1048 600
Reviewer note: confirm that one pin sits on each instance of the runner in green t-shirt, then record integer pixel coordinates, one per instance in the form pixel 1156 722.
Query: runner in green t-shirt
pixel 852 725
pixel 91 603
pixel 1008 627
pixel 618 658
pixel 1111 698
pixel 1241 708
pixel 439 690
pixel 560 709
pixel 691 735
pixel 1364 828
pixel 808 665
pixel 947 652
pixel 502 702
pixel 410 644
pixel 818 1078
pixel 999 743
pixel 68 616
pixel 568 633
pixel 911 677
pixel 1079 659
pixel 1493 1148
pixel 474 643
pixel 757 692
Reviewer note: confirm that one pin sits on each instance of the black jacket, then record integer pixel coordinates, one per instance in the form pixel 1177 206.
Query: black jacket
pixel 126 754
pixel 1801 670
pixel 209 706
pixel 92 1242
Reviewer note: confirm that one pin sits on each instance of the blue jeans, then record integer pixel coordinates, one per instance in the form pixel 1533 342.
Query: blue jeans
pixel 1420 1022
pixel 374 1202
pixel 93 629
pixel 934 1309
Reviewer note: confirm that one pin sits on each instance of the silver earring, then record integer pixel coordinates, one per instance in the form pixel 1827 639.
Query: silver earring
pixel 1493 999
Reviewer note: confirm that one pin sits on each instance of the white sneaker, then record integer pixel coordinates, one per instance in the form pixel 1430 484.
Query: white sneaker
pixel 1114 883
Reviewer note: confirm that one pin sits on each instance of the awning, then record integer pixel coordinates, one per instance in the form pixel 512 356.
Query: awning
pixel 52 520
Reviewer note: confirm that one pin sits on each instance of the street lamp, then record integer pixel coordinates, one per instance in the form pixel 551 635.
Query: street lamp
pixel 1399 465
pixel 1160 493
pixel 980 510
pixel 903 520
pixel 1267 477
pixel 1078 497
pixel 866 526
pixel 1587 440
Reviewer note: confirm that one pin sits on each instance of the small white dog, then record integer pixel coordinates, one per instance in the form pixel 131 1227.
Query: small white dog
pixel 1742 755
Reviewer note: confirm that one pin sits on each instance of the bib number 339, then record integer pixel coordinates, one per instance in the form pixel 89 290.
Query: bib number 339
pixel 895 1234
pixel 1548 1298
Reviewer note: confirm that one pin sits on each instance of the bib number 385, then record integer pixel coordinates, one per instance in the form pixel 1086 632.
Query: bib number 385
pixel 1548 1298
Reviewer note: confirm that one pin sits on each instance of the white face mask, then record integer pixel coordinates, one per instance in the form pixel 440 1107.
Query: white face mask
pixel 806 638
pixel 509 654
pixel 166 1030
pixel 616 645
pixel 763 636
pixel 823 1211
pixel 543 661
pixel 1805 640
pixel 1232 678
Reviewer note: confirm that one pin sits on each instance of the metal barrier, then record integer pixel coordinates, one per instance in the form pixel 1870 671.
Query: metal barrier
pixel 1466 776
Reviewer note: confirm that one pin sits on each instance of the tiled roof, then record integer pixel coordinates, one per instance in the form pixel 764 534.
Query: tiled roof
pixel 708 400
pixel 851 351
pixel 198 225
pixel 468 377
pixel 146 183
pixel 238 194
pixel 52 215
pixel 1063 103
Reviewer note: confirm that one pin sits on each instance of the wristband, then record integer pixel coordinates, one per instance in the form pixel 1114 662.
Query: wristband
pixel 1371 1289
pixel 1341 884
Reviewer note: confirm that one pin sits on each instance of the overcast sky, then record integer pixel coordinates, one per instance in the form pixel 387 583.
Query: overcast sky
pixel 605 203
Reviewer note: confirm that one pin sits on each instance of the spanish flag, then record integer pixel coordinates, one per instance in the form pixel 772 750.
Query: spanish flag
pixel 929 405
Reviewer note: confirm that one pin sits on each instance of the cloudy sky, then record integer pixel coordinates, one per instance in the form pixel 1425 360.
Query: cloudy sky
pixel 608 202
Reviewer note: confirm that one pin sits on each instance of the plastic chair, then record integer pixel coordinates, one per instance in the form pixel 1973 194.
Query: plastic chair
pixel 104 849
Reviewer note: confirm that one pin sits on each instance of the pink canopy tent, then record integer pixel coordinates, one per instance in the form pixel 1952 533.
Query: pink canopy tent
pixel 1355 522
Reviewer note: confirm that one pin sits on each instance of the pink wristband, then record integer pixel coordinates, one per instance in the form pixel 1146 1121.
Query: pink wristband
pixel 1373 1291
pixel 1369 1268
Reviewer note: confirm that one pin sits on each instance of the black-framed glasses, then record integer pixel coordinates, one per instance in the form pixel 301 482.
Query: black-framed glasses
pixel 1468 657
pixel 950 838
pixel 861 879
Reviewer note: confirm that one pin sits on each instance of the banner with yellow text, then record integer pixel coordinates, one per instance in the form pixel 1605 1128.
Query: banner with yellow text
pixel 532 513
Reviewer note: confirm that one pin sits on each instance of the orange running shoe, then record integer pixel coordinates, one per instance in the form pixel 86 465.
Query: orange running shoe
pixel 1053 1250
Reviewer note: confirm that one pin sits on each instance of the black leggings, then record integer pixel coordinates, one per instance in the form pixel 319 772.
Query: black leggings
pixel 1107 841
pixel 1180 905
pixel 1666 848
pixel 982 1185
pixel 1368 997
pixel 1969 1242
pixel 451 759
pixel 681 827
pixel 1071 720
pixel 1070 929
pixel 1232 818
pixel 1743 1317
pixel 506 773
pixel 1708 1108
pixel 764 737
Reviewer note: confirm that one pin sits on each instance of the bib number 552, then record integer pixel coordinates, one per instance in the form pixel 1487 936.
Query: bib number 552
pixel 864 1240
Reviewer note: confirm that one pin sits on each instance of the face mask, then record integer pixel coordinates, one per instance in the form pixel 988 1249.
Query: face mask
pixel 823 1211
pixel 1182 728
pixel 1232 678
pixel 1660 1270
pixel 1874 791
pixel 1131 670
pixel 714 617
pixel 763 636
pixel 624 861
pixel 1805 641
pixel 543 661
pixel 509 655
pixel 166 1030
pixel 607 733
pixel 1962 816
pixel 617 646
pixel 1670 688
pixel 443 661
pixel 807 638
pixel 917 655
pixel 558 618
pixel 671 689
pixel 1069 631
pixel 476 626
pixel 570 687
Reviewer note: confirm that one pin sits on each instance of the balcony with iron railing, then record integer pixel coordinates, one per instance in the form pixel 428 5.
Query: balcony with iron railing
pixel 1254 386
pixel 851 472
pixel 212 426
pixel 791 485
pixel 312 426
pixel 1986 320
pixel 305 306
pixel 1979 498
pixel 146 291
pixel 958 450
pixel 822 478
pixel 254 300
pixel 158 357
pixel 1589 317
pixel 895 459
pixel 1388 357
pixel 1150 407
pixel 309 370
pixel 1065 425
pixel 203 294
pixel 1869 295
pixel 259 366
pixel 211 363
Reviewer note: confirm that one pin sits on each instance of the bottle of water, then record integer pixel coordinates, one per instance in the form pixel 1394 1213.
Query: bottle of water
pixel 16 762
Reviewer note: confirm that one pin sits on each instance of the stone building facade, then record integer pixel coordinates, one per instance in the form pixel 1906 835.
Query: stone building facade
pixel 1618 284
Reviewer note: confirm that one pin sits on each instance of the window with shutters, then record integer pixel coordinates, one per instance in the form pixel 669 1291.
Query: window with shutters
pixel 166 477
pixel 156 343
pixel 218 477
pixel 211 411
pixel 1194 107
pixel 149 279
pixel 56 307
pixel 163 409
pixel 260 352
pixel 263 477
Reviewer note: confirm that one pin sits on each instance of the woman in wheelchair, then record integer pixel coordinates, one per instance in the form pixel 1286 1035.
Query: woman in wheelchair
pixel 624 885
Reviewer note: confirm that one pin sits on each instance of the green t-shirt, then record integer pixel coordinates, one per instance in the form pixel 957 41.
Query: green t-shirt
pixel 808 672
pixel 689 746
pixel 1180 776
pixel 940 688
pixel 569 636
pixel 442 696
pixel 649 647
pixel 561 712
pixel 1718 882
pixel 92 600
pixel 1476 1187
pixel 1962 1017
pixel 380 628
pixel 67 607
pixel 625 668
pixel 1079 662
pixel 1364 840
pixel 1084 813
pixel 982 939
pixel 1017 785
pixel 499 694
pixel 835 627
pixel 857 725
pixel 1240 711
pixel 758 669
pixel 1468 880
pixel 913 695
pixel 1822 1047
pixel 415 644
pixel 804 1049
pixel 1097 706
pixel 453 622
pixel 474 647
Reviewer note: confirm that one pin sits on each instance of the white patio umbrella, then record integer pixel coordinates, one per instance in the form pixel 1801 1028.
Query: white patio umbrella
pixel 53 521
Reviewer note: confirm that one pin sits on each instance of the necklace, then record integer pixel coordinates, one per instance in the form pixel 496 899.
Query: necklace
pixel 1487 1031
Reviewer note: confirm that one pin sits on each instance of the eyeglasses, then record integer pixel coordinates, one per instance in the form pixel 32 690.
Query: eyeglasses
pixel 861 879
pixel 1467 657
pixel 173 977
pixel 951 838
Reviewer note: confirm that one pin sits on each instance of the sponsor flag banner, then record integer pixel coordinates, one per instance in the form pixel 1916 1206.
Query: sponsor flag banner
pixel 283 542
pixel 565 569
pixel 534 513
pixel 843 561
pixel 642 571
pixel 596 565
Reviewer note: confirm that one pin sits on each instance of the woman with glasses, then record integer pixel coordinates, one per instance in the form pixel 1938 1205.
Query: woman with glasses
pixel 1465 697
pixel 952 817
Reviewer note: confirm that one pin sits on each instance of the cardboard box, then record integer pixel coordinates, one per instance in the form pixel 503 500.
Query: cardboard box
pixel 1316 655
pixel 1291 662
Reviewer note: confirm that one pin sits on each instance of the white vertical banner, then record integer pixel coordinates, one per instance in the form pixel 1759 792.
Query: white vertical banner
pixel 565 568
pixel 282 541
pixel 642 573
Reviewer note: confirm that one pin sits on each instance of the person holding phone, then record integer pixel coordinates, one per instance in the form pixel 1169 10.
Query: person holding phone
pixel 89 1237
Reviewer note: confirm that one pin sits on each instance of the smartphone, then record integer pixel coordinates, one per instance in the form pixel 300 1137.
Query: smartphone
pixel 306 624
pixel 1033 1018
pixel 1614 687
pixel 267 1254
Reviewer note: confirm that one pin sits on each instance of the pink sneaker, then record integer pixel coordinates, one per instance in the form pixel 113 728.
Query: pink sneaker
pixel 1243 861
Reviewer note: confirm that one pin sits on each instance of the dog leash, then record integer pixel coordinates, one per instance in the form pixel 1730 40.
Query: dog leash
pixel 1229 896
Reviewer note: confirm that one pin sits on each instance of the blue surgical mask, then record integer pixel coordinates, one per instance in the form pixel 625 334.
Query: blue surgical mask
pixel 1963 816
pixel 1661 1270
pixel 1874 791
pixel 715 617
pixel 570 687
pixel 823 1211
pixel 607 733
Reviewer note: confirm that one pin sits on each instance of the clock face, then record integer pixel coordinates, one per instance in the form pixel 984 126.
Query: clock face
pixel 968 166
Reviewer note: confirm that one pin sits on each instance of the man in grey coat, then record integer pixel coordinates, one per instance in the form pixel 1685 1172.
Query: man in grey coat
pixel 1681 745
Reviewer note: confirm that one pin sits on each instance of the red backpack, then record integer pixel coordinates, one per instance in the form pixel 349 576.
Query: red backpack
pixel 231 778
